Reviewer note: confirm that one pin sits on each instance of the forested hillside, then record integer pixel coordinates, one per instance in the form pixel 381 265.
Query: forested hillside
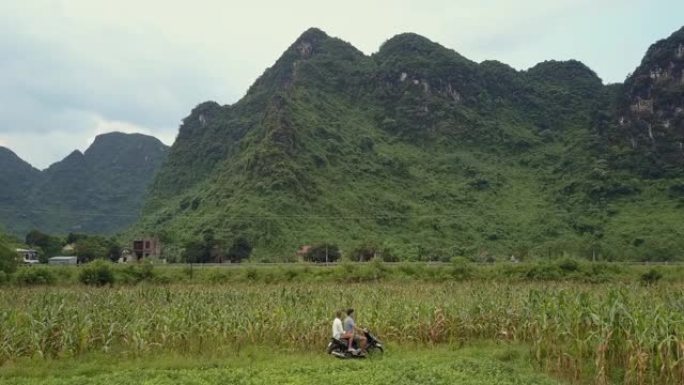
pixel 418 152
pixel 98 191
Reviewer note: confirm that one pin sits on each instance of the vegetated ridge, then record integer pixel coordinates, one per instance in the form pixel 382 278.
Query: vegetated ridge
pixel 97 191
pixel 421 153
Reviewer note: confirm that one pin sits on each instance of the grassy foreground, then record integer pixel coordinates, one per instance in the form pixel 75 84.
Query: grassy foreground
pixel 485 365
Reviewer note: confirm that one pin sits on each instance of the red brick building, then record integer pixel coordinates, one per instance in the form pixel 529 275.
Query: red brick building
pixel 146 248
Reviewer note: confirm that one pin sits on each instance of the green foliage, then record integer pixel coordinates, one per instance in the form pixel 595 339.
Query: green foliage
pixel 461 268
pixel 652 276
pixel 480 365
pixel 432 325
pixel 240 250
pixel 49 246
pixel 8 259
pixel 135 274
pixel 88 248
pixel 325 252
pixel 569 265
pixel 97 273
pixel 35 275
pixel 208 249
pixel 426 152
pixel 365 252
pixel 99 191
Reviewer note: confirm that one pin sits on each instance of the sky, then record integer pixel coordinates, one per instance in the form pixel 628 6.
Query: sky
pixel 73 69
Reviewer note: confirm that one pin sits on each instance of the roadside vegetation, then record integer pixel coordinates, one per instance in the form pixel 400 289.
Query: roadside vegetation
pixel 102 272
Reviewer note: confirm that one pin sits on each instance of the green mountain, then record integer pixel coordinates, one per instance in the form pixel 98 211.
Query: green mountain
pixel 423 153
pixel 17 179
pixel 98 191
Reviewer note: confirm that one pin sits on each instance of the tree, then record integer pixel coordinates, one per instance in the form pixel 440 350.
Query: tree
pixel 114 250
pixel 325 252
pixel 202 251
pixel 36 238
pixel 194 251
pixel 74 237
pixel 241 249
pixel 91 247
pixel 364 252
pixel 49 245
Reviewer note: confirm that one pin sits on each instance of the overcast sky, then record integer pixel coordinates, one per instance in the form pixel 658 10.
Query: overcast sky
pixel 72 69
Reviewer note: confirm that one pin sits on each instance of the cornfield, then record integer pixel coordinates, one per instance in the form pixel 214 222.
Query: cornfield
pixel 629 334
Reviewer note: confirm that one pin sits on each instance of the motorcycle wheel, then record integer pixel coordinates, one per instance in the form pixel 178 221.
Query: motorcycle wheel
pixel 376 350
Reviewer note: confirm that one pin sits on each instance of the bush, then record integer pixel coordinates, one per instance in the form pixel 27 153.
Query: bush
pixel 138 273
pixel 8 259
pixel 652 276
pixel 543 272
pixel 35 275
pixel 389 256
pixel 569 265
pixel 461 268
pixel 98 273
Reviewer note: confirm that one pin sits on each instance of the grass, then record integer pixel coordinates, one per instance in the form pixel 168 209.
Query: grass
pixel 478 365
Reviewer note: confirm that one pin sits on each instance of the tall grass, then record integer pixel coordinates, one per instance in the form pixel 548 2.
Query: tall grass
pixel 597 333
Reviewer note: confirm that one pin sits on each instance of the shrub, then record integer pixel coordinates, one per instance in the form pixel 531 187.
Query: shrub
pixel 8 259
pixel 543 272
pixel 569 265
pixel 35 275
pixel 388 256
pixel 652 276
pixel 138 273
pixel 98 273
pixel 461 268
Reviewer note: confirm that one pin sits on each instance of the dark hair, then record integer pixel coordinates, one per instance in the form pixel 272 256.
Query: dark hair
pixel 350 311
pixel 338 313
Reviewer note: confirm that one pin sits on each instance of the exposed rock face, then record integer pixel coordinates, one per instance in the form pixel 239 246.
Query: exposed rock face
pixel 650 111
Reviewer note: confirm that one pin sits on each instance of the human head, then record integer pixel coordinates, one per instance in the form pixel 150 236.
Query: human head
pixel 338 313
pixel 350 312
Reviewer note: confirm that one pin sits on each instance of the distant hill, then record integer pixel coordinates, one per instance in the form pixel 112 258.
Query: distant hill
pixel 17 180
pixel 98 191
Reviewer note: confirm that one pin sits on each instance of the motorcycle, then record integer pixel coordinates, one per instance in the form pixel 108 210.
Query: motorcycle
pixel 338 347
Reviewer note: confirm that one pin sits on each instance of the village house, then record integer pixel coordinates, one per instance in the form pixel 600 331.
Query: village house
pixel 28 256
pixel 145 248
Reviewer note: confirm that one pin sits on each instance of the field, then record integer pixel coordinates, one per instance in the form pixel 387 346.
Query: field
pixel 470 366
pixel 618 331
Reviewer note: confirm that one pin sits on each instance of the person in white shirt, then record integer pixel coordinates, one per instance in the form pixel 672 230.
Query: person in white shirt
pixel 337 329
